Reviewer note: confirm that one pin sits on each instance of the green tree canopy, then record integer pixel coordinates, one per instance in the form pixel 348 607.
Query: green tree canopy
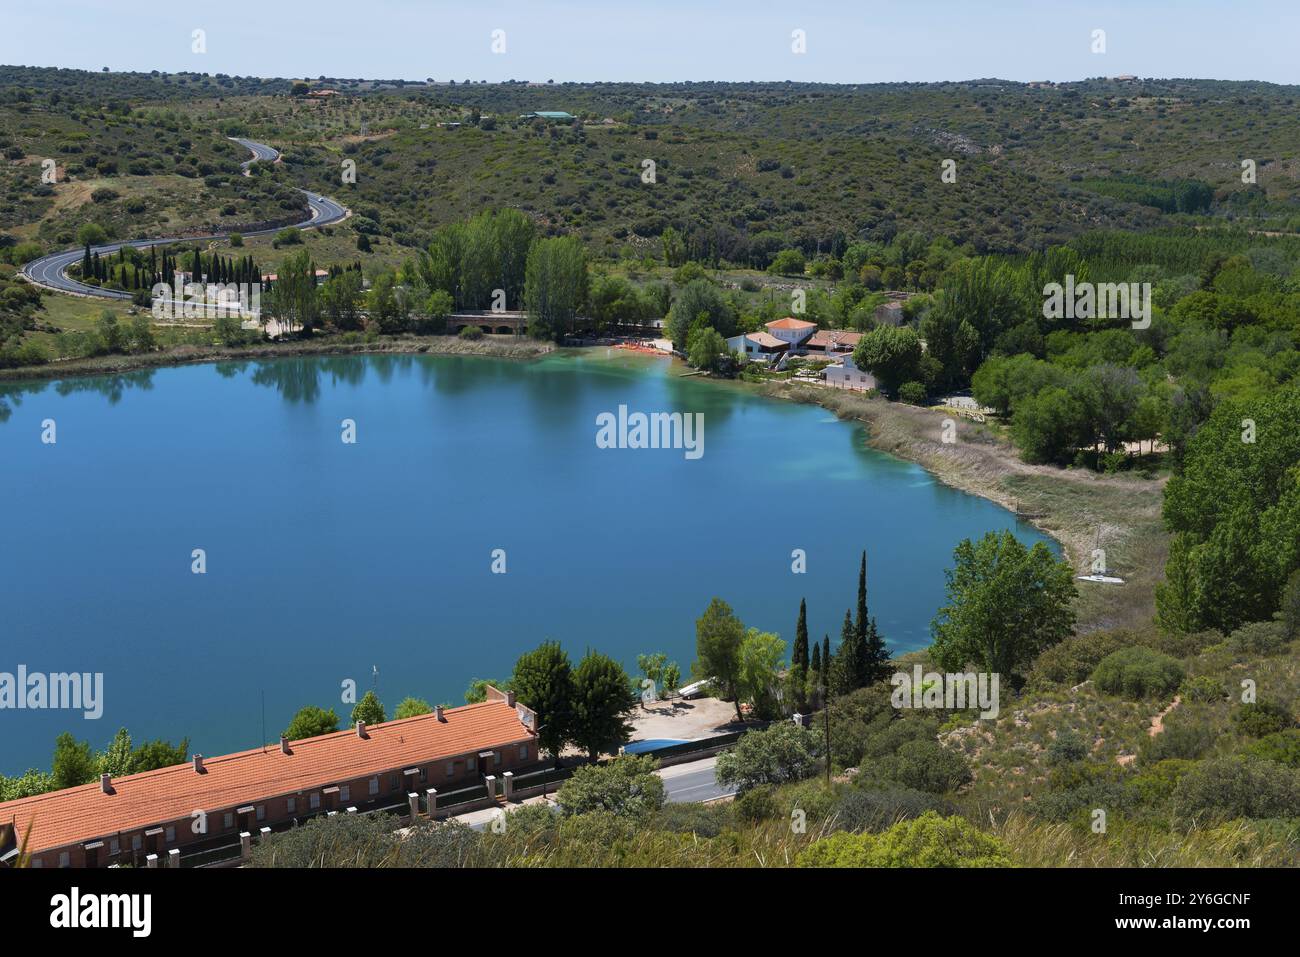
pixel 602 697
pixel 718 636
pixel 1006 604
pixel 626 786
pixel 892 354
pixel 543 680
pixel 1235 517
pixel 310 722
pixel 410 707
pixel 369 709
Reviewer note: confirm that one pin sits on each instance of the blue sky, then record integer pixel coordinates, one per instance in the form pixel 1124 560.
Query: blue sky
pixel 667 40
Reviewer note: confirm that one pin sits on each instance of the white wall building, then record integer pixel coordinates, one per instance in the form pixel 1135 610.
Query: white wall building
pixel 846 375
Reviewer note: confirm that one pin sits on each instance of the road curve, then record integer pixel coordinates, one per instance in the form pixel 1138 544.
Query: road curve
pixel 50 271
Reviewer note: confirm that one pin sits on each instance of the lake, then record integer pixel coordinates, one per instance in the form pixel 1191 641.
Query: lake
pixel 373 560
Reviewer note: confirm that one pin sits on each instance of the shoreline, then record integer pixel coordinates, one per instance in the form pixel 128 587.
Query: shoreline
pixel 1080 509
pixel 497 347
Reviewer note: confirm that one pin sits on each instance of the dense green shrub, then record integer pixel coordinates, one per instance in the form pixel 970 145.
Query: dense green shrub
pixel 783 752
pixel 920 765
pixel 756 804
pixel 1280 746
pixel 1259 638
pixel 1075 791
pixel 1068 746
pixel 1289 614
pixel 928 841
pixel 1073 660
pixel 1202 689
pixel 626 786
pixel 1238 787
pixel 874 809
pixel 857 720
pixel 1186 738
pixel 1261 718
pixel 913 393
pixel 471 332
pixel 1156 784
pixel 1138 672
pixel 813 799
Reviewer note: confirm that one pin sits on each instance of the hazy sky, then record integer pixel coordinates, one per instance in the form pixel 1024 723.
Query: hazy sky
pixel 666 40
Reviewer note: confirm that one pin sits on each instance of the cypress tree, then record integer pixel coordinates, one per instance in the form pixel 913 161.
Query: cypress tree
pixel 799 655
pixel 845 674
pixel 817 659
pixel 875 656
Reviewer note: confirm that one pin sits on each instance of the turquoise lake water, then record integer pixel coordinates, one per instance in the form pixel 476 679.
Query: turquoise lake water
pixel 329 561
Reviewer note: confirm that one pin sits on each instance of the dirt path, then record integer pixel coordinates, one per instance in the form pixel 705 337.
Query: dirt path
pixel 1157 727
pixel 1158 721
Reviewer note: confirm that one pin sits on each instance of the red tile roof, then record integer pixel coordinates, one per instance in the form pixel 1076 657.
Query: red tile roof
pixel 790 322
pixel 79 814
pixel 837 337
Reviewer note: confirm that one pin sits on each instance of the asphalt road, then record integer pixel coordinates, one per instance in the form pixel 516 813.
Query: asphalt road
pixel 49 270
pixel 683 784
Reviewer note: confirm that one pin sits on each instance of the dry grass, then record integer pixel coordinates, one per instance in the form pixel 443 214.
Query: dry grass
pixel 1235 844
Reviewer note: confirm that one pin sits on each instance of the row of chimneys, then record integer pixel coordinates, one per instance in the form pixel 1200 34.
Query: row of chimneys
pixel 106 780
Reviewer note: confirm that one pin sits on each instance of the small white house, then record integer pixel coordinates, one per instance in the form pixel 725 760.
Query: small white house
pixel 846 375
pixel 756 345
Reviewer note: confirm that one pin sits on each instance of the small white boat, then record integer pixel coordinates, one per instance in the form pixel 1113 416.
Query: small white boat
pixel 694 689
pixel 1104 579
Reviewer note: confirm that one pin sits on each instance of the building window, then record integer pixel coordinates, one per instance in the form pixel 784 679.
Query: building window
pixel 114 846
pixel 523 752
pixel 228 821
pixel 291 805
pixel 315 800
pixel 471 764
pixel 136 842
pixel 374 786
pixel 496 758
pixel 261 812
pixel 424 775
pixel 451 769
pixel 397 782
pixel 345 792
pixel 170 835
pixel 65 859
pixel 37 862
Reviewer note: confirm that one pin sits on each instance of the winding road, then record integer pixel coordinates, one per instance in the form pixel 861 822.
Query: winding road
pixel 50 271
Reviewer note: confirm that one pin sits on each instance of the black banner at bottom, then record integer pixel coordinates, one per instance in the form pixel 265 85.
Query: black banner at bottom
pixel 334 907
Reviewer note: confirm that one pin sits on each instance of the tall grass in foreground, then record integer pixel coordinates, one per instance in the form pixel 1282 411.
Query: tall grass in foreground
pixel 1234 844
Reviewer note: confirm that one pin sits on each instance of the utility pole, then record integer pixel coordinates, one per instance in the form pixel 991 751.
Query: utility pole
pixel 826 722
